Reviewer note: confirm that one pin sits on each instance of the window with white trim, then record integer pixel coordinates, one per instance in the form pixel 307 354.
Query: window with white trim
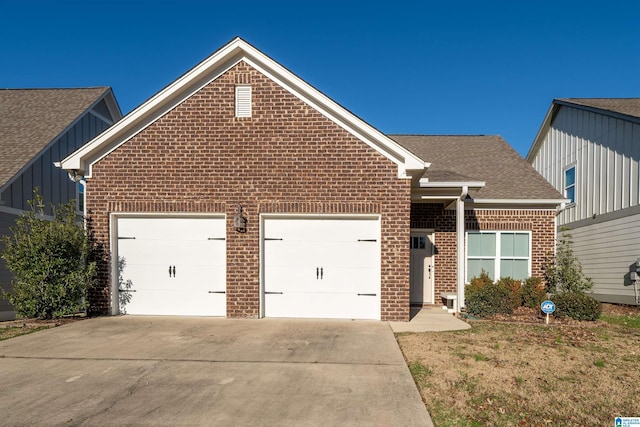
pixel 499 254
pixel 243 101
pixel 570 183
pixel 80 196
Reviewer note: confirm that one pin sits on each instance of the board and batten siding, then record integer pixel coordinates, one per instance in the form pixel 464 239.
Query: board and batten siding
pixel 608 251
pixel 606 153
pixel 604 221
pixel 7 221
pixel 54 184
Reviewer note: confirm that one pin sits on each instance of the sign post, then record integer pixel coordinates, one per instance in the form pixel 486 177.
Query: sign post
pixel 548 307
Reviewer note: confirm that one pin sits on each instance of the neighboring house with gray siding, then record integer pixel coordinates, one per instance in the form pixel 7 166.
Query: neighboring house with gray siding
pixel 37 128
pixel 589 149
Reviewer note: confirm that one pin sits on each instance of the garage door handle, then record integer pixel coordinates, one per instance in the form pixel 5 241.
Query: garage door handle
pixel 321 273
pixel 367 295
pixel 367 240
pixel 273 293
pixel 217 292
pixel 172 270
pixel 126 290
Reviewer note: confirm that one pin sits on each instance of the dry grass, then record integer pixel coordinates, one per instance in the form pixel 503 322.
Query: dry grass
pixel 501 373
pixel 15 328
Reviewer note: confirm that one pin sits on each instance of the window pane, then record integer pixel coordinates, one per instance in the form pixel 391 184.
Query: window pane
pixel 570 193
pixel 514 245
pixel 570 177
pixel 475 267
pixel 515 268
pixel 481 244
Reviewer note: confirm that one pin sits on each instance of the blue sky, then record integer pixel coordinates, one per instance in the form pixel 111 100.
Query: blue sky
pixel 457 67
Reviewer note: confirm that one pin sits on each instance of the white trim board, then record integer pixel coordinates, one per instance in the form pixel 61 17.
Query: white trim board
pixel 409 165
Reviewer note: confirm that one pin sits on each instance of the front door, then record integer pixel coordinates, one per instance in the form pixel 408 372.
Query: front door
pixel 421 267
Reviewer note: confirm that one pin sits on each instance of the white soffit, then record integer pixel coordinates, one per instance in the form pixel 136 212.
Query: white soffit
pixel 211 68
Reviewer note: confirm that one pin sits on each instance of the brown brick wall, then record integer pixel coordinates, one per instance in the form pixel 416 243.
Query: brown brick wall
pixel 432 216
pixel 286 158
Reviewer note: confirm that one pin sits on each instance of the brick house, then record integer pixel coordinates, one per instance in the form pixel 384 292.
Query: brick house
pixel 239 190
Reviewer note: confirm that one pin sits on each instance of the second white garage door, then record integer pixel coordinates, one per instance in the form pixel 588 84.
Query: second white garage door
pixel 322 267
pixel 174 266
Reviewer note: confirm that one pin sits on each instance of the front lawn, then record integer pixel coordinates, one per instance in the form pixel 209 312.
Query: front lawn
pixel 508 373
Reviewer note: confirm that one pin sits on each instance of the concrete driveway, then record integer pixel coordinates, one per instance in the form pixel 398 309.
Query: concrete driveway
pixel 205 371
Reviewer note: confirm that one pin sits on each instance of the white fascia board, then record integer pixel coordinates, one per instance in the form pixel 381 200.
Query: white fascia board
pixel 425 183
pixel 211 68
pixel 542 133
pixel 518 203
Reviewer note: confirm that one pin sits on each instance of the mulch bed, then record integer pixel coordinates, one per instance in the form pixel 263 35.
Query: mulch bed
pixel 535 316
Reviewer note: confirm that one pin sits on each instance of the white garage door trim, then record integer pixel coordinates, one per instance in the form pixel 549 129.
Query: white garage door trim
pixel 373 296
pixel 113 242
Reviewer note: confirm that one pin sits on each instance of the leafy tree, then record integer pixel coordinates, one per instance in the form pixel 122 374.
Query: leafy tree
pixel 564 272
pixel 49 259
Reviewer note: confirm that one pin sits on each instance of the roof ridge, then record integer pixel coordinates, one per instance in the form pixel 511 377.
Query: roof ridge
pixel 53 88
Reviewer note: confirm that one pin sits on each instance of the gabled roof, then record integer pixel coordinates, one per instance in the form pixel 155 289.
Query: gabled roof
pixel 31 119
pixel 208 70
pixel 481 158
pixel 621 108
pixel 627 106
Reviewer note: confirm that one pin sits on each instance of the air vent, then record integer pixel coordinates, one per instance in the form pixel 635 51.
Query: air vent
pixel 243 101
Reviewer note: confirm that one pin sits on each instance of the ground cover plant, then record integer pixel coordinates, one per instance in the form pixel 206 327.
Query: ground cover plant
pixel 521 373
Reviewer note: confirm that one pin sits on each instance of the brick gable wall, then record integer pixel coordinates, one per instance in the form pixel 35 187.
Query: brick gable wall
pixel 541 223
pixel 286 158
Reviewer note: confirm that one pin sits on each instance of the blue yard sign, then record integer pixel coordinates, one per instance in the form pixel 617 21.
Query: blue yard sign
pixel 548 307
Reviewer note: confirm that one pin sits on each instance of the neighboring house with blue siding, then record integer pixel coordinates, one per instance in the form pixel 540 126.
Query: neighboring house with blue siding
pixel 589 149
pixel 37 128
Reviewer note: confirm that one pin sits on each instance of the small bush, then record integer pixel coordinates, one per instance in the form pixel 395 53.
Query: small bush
pixel 476 284
pixel 577 306
pixel 515 290
pixel 489 300
pixel 533 292
pixel 563 271
pixel 49 259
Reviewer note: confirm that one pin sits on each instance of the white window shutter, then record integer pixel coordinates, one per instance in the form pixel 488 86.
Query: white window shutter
pixel 243 101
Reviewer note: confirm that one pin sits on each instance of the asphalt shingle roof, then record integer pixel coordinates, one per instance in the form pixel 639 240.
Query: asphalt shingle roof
pixel 627 106
pixel 485 158
pixel 31 118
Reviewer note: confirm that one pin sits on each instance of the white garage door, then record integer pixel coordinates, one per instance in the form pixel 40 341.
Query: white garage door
pixel 174 266
pixel 322 268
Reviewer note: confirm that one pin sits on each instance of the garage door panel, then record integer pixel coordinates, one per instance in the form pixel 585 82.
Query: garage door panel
pixel 314 305
pixel 323 264
pixel 174 302
pixel 286 278
pixel 173 265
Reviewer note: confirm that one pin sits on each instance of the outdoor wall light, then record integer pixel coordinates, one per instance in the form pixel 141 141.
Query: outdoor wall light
pixel 240 222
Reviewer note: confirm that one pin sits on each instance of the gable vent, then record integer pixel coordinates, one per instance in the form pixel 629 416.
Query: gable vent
pixel 243 101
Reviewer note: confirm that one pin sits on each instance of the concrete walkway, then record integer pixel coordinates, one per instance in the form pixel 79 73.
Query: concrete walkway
pixel 147 370
pixel 430 320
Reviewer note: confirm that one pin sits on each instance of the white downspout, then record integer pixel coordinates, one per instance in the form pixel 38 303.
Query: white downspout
pixel 460 244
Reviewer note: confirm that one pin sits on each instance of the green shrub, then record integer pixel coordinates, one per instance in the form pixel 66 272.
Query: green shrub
pixel 563 272
pixel 491 299
pixel 476 284
pixel 49 259
pixel 515 290
pixel 533 292
pixel 577 306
